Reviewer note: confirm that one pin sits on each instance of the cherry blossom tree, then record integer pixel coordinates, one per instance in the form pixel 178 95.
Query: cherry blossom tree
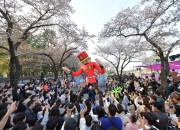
pixel 63 46
pixel 119 52
pixel 157 21
pixel 19 19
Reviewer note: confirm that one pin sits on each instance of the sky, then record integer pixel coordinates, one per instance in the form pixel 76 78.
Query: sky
pixel 93 14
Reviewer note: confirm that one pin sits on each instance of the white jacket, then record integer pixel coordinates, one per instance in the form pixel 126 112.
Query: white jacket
pixel 82 124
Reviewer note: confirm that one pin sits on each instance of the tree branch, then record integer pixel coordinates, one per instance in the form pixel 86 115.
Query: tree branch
pixel 24 35
pixel 4 15
pixel 62 57
pixel 158 15
pixel 47 55
pixel 32 26
pixel 171 47
pixel 44 25
pixel 152 43
pixel 110 61
pixel 136 34
pixel 122 67
pixel 5 48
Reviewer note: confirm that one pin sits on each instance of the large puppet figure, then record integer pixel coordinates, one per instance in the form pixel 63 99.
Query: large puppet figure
pixel 89 69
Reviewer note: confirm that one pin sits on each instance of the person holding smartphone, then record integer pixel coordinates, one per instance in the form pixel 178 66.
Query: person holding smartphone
pixel 10 110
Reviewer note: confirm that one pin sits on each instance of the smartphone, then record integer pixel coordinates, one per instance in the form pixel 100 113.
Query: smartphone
pixel 17 103
pixel 82 107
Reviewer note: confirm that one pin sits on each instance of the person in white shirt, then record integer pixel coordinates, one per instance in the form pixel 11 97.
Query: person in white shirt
pixel 83 124
pixel 125 101
pixel 62 98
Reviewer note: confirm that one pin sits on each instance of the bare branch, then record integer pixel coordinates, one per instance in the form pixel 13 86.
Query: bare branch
pixel 110 62
pixel 25 34
pixel 5 15
pixel 125 64
pixel 171 47
pixel 5 48
pixel 152 42
pixel 136 34
pixel 33 25
pixel 64 58
pixel 158 14
pixel 49 56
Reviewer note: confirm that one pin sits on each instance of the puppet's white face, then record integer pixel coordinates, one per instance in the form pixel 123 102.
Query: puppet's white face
pixel 86 61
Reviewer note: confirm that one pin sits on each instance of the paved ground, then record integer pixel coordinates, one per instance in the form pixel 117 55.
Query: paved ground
pixel 74 88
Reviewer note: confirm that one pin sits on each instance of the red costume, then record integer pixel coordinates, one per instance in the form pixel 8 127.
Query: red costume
pixel 88 68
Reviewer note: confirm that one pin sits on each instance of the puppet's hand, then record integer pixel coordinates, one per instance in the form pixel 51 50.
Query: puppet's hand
pixel 66 70
pixel 99 62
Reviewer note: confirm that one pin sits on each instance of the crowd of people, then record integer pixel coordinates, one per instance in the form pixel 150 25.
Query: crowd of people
pixel 140 104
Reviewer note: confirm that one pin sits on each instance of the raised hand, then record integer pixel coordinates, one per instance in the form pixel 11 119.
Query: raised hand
pixel 47 106
pixel 66 70
pixel 83 111
pixel 12 108
pixel 99 62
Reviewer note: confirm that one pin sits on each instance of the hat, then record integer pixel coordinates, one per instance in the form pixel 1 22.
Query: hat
pixel 83 56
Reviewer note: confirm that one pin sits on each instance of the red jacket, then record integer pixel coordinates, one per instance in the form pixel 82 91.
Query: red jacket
pixel 88 70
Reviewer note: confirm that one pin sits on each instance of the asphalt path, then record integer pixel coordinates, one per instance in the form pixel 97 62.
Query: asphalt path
pixel 75 89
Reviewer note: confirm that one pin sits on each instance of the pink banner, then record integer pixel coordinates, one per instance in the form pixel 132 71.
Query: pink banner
pixel 173 65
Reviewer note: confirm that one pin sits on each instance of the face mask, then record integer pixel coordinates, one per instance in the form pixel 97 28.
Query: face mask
pixel 140 103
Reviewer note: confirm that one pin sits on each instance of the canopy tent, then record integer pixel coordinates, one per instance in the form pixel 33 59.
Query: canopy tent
pixel 172 65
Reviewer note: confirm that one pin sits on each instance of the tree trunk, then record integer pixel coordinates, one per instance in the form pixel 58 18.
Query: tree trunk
pixel 121 79
pixel 55 73
pixel 54 68
pixel 12 66
pixel 164 73
pixel 12 74
pixel 18 68
pixel 167 66
pixel 118 75
pixel 42 77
